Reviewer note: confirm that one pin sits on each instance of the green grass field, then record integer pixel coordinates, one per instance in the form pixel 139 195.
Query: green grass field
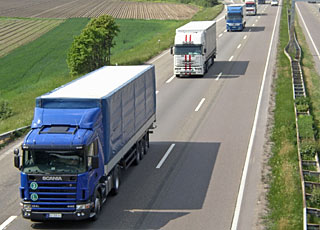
pixel 40 66
pixel 135 46
pixel 33 69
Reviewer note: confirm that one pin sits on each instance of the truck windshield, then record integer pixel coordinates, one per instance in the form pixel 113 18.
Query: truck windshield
pixel 187 49
pixel 233 16
pixel 53 161
pixel 250 5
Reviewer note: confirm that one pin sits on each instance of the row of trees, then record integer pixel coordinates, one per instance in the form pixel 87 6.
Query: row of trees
pixel 91 49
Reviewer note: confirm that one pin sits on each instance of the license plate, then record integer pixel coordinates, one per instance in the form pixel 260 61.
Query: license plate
pixel 55 215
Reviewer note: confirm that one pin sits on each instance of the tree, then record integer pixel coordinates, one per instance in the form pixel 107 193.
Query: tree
pixel 92 48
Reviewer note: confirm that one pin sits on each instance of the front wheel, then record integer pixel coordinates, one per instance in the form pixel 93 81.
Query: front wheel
pixel 97 206
pixel 116 181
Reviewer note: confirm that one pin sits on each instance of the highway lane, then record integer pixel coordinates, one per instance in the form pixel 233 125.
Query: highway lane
pixel 196 186
pixel 309 20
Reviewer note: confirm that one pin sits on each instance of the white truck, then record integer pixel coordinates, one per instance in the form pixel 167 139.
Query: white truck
pixel 195 47
pixel 251 7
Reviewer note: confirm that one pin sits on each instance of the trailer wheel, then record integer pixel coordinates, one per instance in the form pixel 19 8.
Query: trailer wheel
pixel 116 181
pixel 138 153
pixel 146 143
pixel 97 206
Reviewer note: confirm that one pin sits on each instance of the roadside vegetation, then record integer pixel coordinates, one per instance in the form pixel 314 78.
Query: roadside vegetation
pixel 285 194
pixel 312 78
pixel 40 66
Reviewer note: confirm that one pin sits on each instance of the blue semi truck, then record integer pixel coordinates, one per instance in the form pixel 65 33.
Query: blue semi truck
pixel 83 134
pixel 235 17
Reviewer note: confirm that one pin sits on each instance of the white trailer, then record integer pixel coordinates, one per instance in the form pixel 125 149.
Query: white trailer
pixel 195 47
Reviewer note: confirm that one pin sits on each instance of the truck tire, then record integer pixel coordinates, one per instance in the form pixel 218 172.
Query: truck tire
pixel 146 143
pixel 115 181
pixel 97 206
pixel 138 154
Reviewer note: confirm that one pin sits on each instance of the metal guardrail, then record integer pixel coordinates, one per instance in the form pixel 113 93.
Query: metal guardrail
pixel 8 135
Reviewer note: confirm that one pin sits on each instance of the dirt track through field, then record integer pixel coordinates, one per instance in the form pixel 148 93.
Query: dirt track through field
pixel 95 8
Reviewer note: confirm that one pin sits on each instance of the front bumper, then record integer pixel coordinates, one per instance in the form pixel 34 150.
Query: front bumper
pixel 45 216
pixel 234 27
pixel 36 215
pixel 182 71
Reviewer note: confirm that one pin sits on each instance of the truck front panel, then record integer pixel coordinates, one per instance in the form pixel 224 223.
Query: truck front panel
pixel 54 196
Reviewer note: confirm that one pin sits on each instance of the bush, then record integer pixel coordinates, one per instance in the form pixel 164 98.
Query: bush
pixel 305 124
pixel 308 149
pixel 91 49
pixel 302 104
pixel 5 110
pixel 315 197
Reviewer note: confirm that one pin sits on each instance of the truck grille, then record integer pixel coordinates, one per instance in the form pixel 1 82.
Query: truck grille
pixel 53 196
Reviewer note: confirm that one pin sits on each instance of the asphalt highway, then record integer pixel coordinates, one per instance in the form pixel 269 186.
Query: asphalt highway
pixel 309 20
pixel 206 128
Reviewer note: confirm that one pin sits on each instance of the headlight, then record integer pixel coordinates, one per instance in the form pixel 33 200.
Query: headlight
pixel 26 207
pixel 84 206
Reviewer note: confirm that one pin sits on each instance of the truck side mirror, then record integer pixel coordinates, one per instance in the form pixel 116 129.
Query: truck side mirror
pixel 205 50
pixel 171 50
pixel 95 162
pixel 16 158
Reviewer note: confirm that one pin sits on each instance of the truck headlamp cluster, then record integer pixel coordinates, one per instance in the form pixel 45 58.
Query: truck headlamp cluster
pixel 26 206
pixel 84 206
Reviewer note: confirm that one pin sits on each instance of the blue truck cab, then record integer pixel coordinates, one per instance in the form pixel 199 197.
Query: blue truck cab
pixel 235 17
pixel 82 135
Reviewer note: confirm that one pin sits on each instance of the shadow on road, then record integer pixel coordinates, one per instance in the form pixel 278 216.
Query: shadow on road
pixel 150 197
pixel 229 69
pixel 254 29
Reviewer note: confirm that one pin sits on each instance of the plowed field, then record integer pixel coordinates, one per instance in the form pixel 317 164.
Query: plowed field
pixel 16 32
pixel 95 8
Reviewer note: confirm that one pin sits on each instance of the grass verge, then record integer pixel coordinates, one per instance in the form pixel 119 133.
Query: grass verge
pixel 34 69
pixel 137 46
pixel 285 195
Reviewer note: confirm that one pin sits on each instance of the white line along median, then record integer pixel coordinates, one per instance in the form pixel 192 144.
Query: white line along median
pixel 236 215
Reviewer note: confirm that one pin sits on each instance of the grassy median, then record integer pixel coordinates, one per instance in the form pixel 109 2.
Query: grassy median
pixel 285 194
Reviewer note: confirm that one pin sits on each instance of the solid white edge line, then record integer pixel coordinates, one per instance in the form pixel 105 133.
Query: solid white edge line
pixel 165 156
pixel 218 76
pixel 314 46
pixel 230 58
pixel 253 131
pixel 159 56
pixel 200 104
pixel 239 46
pixel 7 222
pixel 170 79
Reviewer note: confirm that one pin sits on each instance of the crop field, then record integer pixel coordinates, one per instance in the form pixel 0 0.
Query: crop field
pixel 16 32
pixel 95 8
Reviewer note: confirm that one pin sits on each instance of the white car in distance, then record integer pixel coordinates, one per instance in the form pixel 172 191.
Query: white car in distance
pixel 274 2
